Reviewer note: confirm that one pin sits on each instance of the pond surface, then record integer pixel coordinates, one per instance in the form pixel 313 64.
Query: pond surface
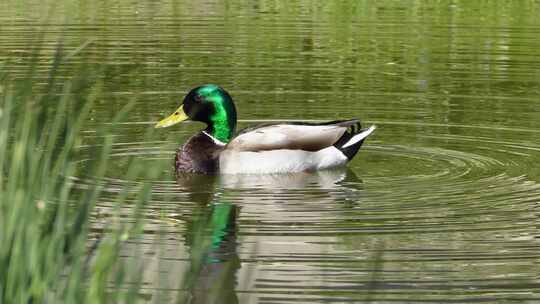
pixel 439 206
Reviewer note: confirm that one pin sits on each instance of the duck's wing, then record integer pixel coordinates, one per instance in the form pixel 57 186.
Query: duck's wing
pixel 291 136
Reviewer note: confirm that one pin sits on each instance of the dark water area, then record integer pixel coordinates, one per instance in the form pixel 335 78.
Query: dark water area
pixel 440 205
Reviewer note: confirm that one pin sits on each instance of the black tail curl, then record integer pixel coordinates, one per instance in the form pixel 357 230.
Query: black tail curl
pixel 351 150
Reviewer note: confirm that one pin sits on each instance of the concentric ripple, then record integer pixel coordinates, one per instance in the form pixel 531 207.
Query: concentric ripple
pixel 404 213
pixel 396 188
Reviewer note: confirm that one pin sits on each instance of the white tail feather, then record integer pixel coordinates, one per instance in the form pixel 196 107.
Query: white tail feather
pixel 358 137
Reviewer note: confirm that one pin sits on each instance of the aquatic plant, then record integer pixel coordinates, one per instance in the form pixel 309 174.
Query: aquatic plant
pixel 47 254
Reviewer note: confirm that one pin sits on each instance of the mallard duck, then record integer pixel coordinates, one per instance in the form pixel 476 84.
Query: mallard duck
pixel 268 148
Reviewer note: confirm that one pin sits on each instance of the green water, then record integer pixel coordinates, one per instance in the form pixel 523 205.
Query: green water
pixel 440 205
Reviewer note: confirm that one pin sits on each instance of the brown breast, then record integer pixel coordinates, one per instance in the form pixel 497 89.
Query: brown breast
pixel 198 155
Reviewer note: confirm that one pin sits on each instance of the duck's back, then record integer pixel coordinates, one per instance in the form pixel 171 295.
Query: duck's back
pixel 293 147
pixel 200 154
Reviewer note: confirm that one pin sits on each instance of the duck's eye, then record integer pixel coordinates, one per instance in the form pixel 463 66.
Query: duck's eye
pixel 176 113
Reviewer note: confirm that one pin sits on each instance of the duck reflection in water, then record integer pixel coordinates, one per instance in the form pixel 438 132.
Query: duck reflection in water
pixel 213 257
pixel 211 239
pixel 212 229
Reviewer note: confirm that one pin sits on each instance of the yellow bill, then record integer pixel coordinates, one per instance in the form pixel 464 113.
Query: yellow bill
pixel 176 117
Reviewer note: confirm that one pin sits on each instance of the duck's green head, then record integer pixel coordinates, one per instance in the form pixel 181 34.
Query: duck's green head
pixel 210 104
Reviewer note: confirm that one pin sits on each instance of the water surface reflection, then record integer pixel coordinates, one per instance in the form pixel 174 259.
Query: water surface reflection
pixel 211 231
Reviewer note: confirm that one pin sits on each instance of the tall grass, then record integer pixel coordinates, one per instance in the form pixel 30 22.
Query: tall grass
pixel 45 256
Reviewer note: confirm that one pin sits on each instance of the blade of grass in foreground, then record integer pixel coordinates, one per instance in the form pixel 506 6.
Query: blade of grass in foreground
pixel 44 220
